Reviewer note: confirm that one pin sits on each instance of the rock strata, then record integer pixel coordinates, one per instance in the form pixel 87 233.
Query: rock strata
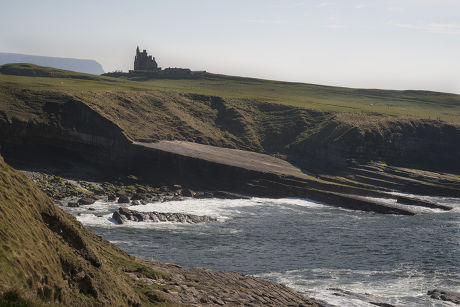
pixel 450 296
pixel 421 203
pixel 124 214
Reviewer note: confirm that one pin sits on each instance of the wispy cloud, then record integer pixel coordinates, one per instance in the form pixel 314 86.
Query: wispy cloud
pixel 445 28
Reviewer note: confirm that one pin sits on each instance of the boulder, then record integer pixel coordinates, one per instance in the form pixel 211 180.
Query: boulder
pixel 86 201
pixel 123 199
pixel 72 204
pixel 111 197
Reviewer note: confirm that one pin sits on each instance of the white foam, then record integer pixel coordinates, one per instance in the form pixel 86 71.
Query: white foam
pixel 403 288
pixel 394 202
pixel 220 208
pixel 448 201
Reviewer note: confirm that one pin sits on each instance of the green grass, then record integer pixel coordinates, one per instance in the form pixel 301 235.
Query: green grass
pixel 417 104
pixel 46 255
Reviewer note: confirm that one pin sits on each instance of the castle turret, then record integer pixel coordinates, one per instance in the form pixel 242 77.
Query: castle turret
pixel 143 61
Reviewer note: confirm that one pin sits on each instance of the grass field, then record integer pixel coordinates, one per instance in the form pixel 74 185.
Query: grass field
pixel 416 104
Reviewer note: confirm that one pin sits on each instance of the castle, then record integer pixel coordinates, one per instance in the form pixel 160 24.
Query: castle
pixel 146 67
pixel 142 61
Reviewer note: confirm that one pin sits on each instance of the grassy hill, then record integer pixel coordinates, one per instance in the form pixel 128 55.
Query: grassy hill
pixel 47 256
pixel 416 104
pixel 293 119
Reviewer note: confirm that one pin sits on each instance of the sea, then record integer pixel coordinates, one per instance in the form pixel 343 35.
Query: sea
pixel 309 246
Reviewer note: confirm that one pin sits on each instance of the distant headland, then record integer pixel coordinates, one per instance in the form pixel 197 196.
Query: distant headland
pixel 145 66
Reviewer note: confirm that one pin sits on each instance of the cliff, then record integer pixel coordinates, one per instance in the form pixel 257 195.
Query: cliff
pixel 66 117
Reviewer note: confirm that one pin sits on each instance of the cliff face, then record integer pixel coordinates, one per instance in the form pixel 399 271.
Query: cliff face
pixel 406 142
pixel 99 126
pixel 97 119
pixel 58 122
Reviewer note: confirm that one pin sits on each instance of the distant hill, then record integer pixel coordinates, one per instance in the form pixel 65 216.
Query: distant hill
pixel 78 65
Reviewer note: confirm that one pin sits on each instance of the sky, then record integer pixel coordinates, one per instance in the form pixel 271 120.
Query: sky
pixel 391 44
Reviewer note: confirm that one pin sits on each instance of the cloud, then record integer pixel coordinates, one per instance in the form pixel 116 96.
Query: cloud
pixel 444 28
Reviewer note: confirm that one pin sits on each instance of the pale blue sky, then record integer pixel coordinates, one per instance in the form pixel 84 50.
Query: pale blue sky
pixel 399 44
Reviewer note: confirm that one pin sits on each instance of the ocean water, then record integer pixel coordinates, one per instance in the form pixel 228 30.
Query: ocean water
pixel 302 244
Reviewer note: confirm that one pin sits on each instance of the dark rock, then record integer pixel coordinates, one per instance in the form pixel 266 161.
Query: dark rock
pixel 91 209
pixel 156 198
pixel 450 296
pixel 365 297
pixel 72 204
pixel 188 193
pixel 123 199
pixel 138 196
pixel 111 198
pixel 228 195
pixel 86 201
pixel 124 214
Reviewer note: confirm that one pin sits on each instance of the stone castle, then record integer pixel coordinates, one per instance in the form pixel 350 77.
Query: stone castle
pixel 142 61
pixel 145 66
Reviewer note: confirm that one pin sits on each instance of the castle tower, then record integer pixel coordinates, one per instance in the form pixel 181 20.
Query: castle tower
pixel 143 61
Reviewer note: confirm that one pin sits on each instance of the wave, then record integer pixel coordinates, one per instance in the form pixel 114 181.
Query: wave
pixel 397 286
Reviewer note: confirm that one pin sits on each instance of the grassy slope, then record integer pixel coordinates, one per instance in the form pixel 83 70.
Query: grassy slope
pixel 46 253
pixel 417 104
pixel 253 114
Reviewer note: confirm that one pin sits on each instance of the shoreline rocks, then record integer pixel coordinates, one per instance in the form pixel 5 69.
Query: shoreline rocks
pixel 123 199
pixel 124 214
pixel 421 203
pixel 449 296
pixel 86 201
